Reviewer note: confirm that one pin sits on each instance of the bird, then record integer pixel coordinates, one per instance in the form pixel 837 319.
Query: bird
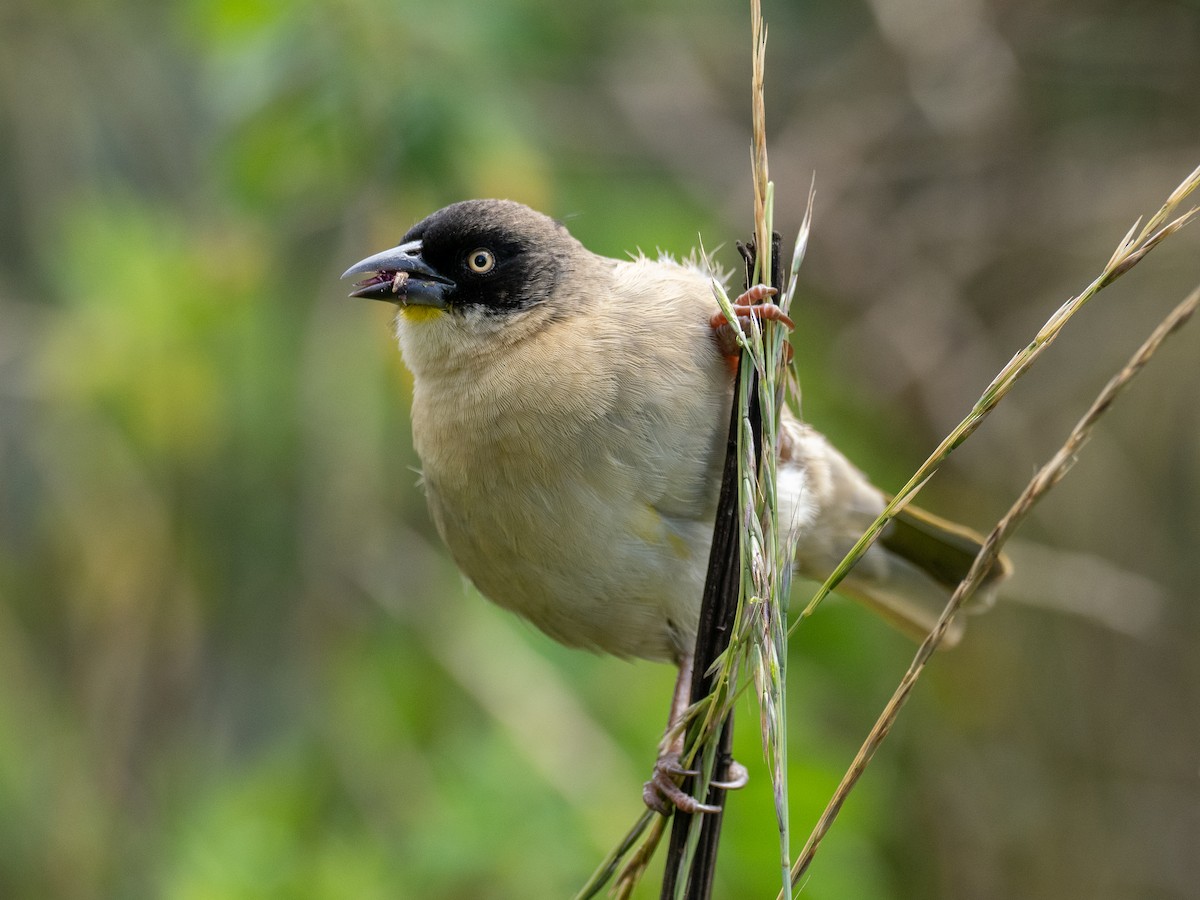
pixel 570 411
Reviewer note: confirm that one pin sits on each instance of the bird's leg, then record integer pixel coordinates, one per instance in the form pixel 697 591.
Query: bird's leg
pixel 745 306
pixel 662 791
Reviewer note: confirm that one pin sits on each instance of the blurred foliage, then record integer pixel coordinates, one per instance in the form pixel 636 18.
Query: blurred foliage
pixel 234 661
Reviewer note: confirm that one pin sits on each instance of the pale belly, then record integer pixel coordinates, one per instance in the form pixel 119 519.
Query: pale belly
pixel 610 574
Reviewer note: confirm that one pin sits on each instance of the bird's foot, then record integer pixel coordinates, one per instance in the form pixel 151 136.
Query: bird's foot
pixel 662 792
pixel 747 305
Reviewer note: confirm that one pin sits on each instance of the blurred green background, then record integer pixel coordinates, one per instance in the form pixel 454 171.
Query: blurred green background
pixel 234 660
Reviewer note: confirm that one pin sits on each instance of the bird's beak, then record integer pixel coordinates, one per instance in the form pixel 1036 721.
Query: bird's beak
pixel 401 275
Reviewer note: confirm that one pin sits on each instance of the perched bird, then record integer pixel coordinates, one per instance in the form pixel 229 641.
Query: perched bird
pixel 570 414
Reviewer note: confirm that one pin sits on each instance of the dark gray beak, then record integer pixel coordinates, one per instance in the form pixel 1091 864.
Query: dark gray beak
pixel 401 275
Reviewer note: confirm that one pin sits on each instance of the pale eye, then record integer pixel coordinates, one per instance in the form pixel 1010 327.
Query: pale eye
pixel 481 261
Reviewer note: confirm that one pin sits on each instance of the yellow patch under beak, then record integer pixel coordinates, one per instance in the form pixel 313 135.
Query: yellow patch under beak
pixel 417 313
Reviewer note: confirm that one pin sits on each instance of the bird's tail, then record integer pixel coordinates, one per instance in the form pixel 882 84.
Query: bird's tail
pixel 913 568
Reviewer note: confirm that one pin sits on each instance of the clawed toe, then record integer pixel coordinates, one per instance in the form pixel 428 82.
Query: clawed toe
pixel 662 792
pixel 736 777
pixel 748 305
pixel 663 798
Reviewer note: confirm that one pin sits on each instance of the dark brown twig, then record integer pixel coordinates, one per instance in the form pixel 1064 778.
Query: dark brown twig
pixel 717 612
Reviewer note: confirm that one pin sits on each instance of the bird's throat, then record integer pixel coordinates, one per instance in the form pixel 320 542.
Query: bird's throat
pixel 417 313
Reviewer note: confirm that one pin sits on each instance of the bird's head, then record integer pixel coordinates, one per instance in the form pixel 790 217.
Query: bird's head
pixel 471 260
